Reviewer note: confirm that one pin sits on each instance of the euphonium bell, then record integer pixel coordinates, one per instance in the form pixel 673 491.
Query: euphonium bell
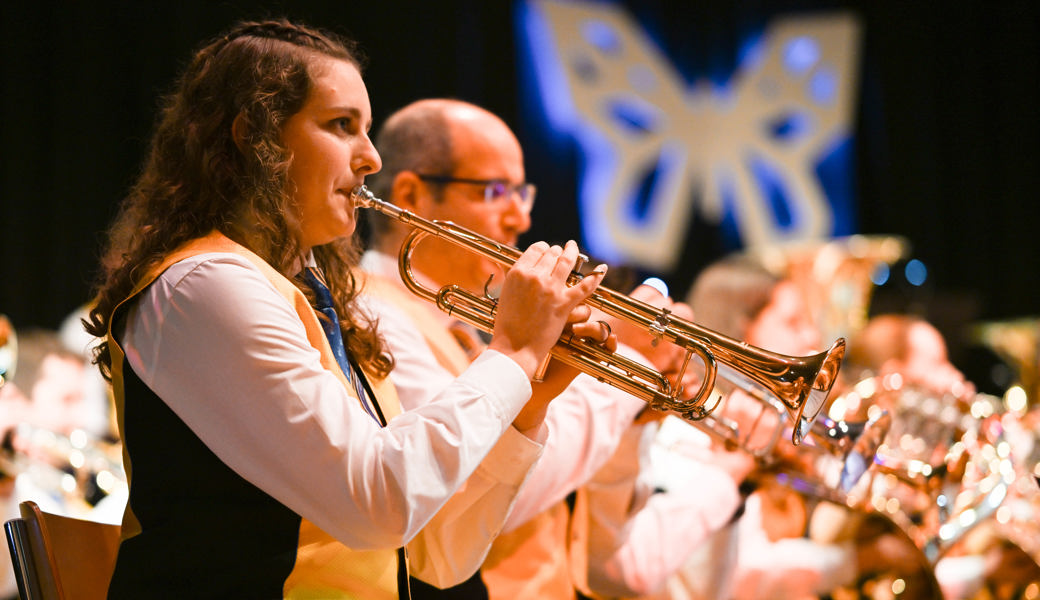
pixel 800 383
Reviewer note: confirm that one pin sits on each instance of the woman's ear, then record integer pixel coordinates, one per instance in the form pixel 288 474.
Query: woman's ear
pixel 239 128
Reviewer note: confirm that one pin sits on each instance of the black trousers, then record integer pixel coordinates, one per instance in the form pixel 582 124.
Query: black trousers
pixel 471 589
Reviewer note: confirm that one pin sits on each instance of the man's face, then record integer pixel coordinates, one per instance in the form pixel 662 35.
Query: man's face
pixel 58 394
pixel 784 325
pixel 484 149
pixel 927 362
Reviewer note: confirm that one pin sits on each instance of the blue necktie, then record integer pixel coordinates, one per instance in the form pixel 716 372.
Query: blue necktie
pixel 330 325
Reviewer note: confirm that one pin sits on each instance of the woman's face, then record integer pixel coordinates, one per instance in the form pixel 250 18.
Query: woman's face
pixel 331 151
pixel 784 325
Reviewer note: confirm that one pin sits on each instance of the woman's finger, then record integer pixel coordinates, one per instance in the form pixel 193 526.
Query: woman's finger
pixel 580 314
pixel 530 257
pixel 566 261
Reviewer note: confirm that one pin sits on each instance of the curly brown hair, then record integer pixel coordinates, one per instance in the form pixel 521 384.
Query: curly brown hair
pixel 197 179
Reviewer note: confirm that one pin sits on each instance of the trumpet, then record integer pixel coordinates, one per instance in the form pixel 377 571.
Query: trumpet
pixel 800 383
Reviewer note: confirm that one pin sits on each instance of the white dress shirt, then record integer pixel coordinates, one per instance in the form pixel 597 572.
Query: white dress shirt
pixel 793 568
pixel 737 561
pixel 224 349
pixel 584 423
pixel 656 501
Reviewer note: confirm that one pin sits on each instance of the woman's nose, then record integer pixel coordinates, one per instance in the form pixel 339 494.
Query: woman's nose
pixel 366 159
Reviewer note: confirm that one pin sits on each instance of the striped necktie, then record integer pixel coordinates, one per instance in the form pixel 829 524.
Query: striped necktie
pixel 330 325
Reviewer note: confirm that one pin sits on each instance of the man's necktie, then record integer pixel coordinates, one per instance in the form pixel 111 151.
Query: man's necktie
pixel 330 325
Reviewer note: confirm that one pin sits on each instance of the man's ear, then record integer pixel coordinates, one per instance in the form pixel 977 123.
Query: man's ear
pixel 238 132
pixel 406 191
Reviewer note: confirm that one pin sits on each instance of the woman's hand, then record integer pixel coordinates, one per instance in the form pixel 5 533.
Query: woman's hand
pixel 536 303
pixel 534 308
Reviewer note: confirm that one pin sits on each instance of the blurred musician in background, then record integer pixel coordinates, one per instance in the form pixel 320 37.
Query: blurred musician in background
pixel 908 357
pixel 453 161
pixel 640 520
pixel 909 346
pixel 56 381
pixel 268 457
pixel 56 435
pixel 766 553
pixel 55 449
pixel 12 404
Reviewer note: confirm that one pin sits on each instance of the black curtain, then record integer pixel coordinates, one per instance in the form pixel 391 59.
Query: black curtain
pixel 946 131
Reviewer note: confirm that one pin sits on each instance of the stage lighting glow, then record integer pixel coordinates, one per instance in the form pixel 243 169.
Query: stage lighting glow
pixel 761 151
pixel 601 35
pixel 823 87
pixel 915 271
pixel 880 275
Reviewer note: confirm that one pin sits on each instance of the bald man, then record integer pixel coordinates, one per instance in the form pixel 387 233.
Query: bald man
pixel 453 161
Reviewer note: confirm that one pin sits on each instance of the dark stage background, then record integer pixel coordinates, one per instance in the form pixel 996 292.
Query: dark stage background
pixel 946 130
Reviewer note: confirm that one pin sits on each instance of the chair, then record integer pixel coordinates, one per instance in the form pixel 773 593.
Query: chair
pixel 61 558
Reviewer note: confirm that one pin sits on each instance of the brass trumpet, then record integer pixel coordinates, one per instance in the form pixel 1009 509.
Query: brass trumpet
pixel 800 383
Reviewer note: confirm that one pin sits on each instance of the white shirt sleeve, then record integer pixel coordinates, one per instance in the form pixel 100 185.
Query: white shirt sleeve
pixel 585 425
pixel 456 541
pixel 638 537
pixel 789 567
pixel 229 355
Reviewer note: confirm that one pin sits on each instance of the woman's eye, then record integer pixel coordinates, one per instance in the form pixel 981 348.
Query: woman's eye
pixel 344 124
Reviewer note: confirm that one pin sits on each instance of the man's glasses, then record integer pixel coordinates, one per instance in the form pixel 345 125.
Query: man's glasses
pixel 495 190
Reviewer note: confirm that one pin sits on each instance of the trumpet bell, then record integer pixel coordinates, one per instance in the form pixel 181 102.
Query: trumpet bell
pixel 802 384
pixel 822 370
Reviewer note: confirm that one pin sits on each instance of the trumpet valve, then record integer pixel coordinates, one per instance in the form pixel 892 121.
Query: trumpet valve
pixel 659 327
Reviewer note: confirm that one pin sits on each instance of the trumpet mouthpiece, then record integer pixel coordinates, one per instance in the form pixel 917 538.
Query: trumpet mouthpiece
pixel 361 196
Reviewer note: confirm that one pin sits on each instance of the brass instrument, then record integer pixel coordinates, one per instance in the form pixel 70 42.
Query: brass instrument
pixel 800 383
pixel 852 447
pixel 940 471
pixel 1016 341
pixel 834 456
pixel 835 275
pixel 76 468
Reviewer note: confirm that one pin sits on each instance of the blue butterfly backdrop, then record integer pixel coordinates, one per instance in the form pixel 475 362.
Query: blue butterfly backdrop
pixel 763 153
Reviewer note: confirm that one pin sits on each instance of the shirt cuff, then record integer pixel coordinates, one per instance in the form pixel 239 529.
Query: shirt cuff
pixel 502 380
pixel 512 458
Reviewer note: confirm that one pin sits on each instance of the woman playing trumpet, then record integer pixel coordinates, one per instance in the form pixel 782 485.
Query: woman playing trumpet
pixel 263 452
